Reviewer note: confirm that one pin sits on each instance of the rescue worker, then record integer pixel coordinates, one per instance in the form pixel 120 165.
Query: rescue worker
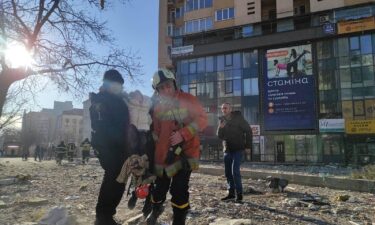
pixel 109 116
pixel 60 152
pixel 86 146
pixel 71 151
pixel 177 118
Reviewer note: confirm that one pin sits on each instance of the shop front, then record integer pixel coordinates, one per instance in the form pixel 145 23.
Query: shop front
pixel 360 142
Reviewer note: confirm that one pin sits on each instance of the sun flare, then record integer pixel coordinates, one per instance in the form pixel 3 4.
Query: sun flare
pixel 17 56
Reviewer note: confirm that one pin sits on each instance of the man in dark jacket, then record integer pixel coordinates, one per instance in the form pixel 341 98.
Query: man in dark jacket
pixel 110 122
pixel 237 137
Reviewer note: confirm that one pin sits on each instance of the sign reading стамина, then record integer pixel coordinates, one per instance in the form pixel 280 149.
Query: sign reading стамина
pixel 289 89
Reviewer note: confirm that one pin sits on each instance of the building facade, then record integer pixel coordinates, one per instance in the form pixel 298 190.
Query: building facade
pixel 70 127
pixel 300 71
pixel 39 128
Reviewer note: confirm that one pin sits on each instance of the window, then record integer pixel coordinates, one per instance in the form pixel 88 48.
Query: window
pixel 193 26
pixel 250 87
pixel 231 13
pixel 347 109
pixel 359 108
pixel 228 86
pixel 228 60
pixel 170 30
pixel 237 87
pixel 191 5
pixel 354 43
pixel 177 42
pixel 368 76
pixel 356 75
pixel 224 14
pixel 200 89
pixel 201 66
pixel 247 31
pixel 370 108
pixel 209 23
pixel 184 67
pixel 346 94
pixel 219 15
pixel 366 46
pixel 179 12
pixel 236 61
pixel 192 67
pixel 343 47
pixel 285 25
pixel 210 64
pixel 220 63
pixel 210 89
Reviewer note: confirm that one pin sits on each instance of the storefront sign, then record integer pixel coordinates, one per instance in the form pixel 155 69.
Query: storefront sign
pixel 356 25
pixel 332 125
pixel 255 129
pixel 289 89
pixel 360 126
pixel 329 28
pixel 182 50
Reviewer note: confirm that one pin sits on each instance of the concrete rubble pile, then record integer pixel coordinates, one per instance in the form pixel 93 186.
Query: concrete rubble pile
pixel 45 193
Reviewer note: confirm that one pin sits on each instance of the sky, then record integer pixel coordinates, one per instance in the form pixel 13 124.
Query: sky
pixel 134 25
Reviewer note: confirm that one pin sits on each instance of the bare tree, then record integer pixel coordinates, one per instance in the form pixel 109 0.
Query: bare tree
pixel 59 34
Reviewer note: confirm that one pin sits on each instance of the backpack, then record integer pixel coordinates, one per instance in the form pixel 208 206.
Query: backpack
pixel 100 122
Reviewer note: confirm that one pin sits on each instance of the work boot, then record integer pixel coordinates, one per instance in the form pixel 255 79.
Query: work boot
pixel 147 207
pixel 179 216
pixel 230 196
pixel 239 197
pixel 132 200
pixel 157 210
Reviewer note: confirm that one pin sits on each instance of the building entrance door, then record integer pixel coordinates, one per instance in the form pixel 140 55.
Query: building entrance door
pixel 280 151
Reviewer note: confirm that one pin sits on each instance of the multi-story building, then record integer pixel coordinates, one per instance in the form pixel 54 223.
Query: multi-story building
pixel 301 72
pixel 39 128
pixel 70 127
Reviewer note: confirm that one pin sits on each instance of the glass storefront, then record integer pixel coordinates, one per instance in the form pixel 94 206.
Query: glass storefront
pixel 347 90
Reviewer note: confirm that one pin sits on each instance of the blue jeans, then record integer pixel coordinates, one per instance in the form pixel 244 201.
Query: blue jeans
pixel 232 162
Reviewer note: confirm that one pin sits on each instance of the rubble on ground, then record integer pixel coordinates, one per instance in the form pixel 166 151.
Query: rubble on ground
pixel 45 192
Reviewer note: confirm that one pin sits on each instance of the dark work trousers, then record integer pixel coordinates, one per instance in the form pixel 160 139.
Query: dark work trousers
pixel 110 191
pixel 178 186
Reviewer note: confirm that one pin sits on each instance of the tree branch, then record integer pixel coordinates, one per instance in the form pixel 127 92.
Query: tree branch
pixel 40 24
pixel 15 14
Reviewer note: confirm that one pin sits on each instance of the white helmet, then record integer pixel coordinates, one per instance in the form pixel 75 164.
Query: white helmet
pixel 162 75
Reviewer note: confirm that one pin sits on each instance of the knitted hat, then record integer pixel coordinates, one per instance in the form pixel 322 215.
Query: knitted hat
pixel 113 75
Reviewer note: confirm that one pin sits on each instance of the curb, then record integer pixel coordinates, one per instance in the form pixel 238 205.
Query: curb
pixel 359 185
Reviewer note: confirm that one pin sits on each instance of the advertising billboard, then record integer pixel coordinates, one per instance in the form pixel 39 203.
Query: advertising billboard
pixel 289 92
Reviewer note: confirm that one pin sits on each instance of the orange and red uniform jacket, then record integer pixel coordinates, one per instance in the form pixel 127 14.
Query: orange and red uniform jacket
pixel 182 113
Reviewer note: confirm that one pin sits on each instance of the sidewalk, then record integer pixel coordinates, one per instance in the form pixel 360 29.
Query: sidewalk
pixel 325 176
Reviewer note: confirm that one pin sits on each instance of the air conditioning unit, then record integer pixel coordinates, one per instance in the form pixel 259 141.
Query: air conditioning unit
pixel 323 19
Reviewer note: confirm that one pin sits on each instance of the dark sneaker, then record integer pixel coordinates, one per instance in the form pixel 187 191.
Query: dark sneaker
pixel 105 221
pixel 239 197
pixel 228 197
